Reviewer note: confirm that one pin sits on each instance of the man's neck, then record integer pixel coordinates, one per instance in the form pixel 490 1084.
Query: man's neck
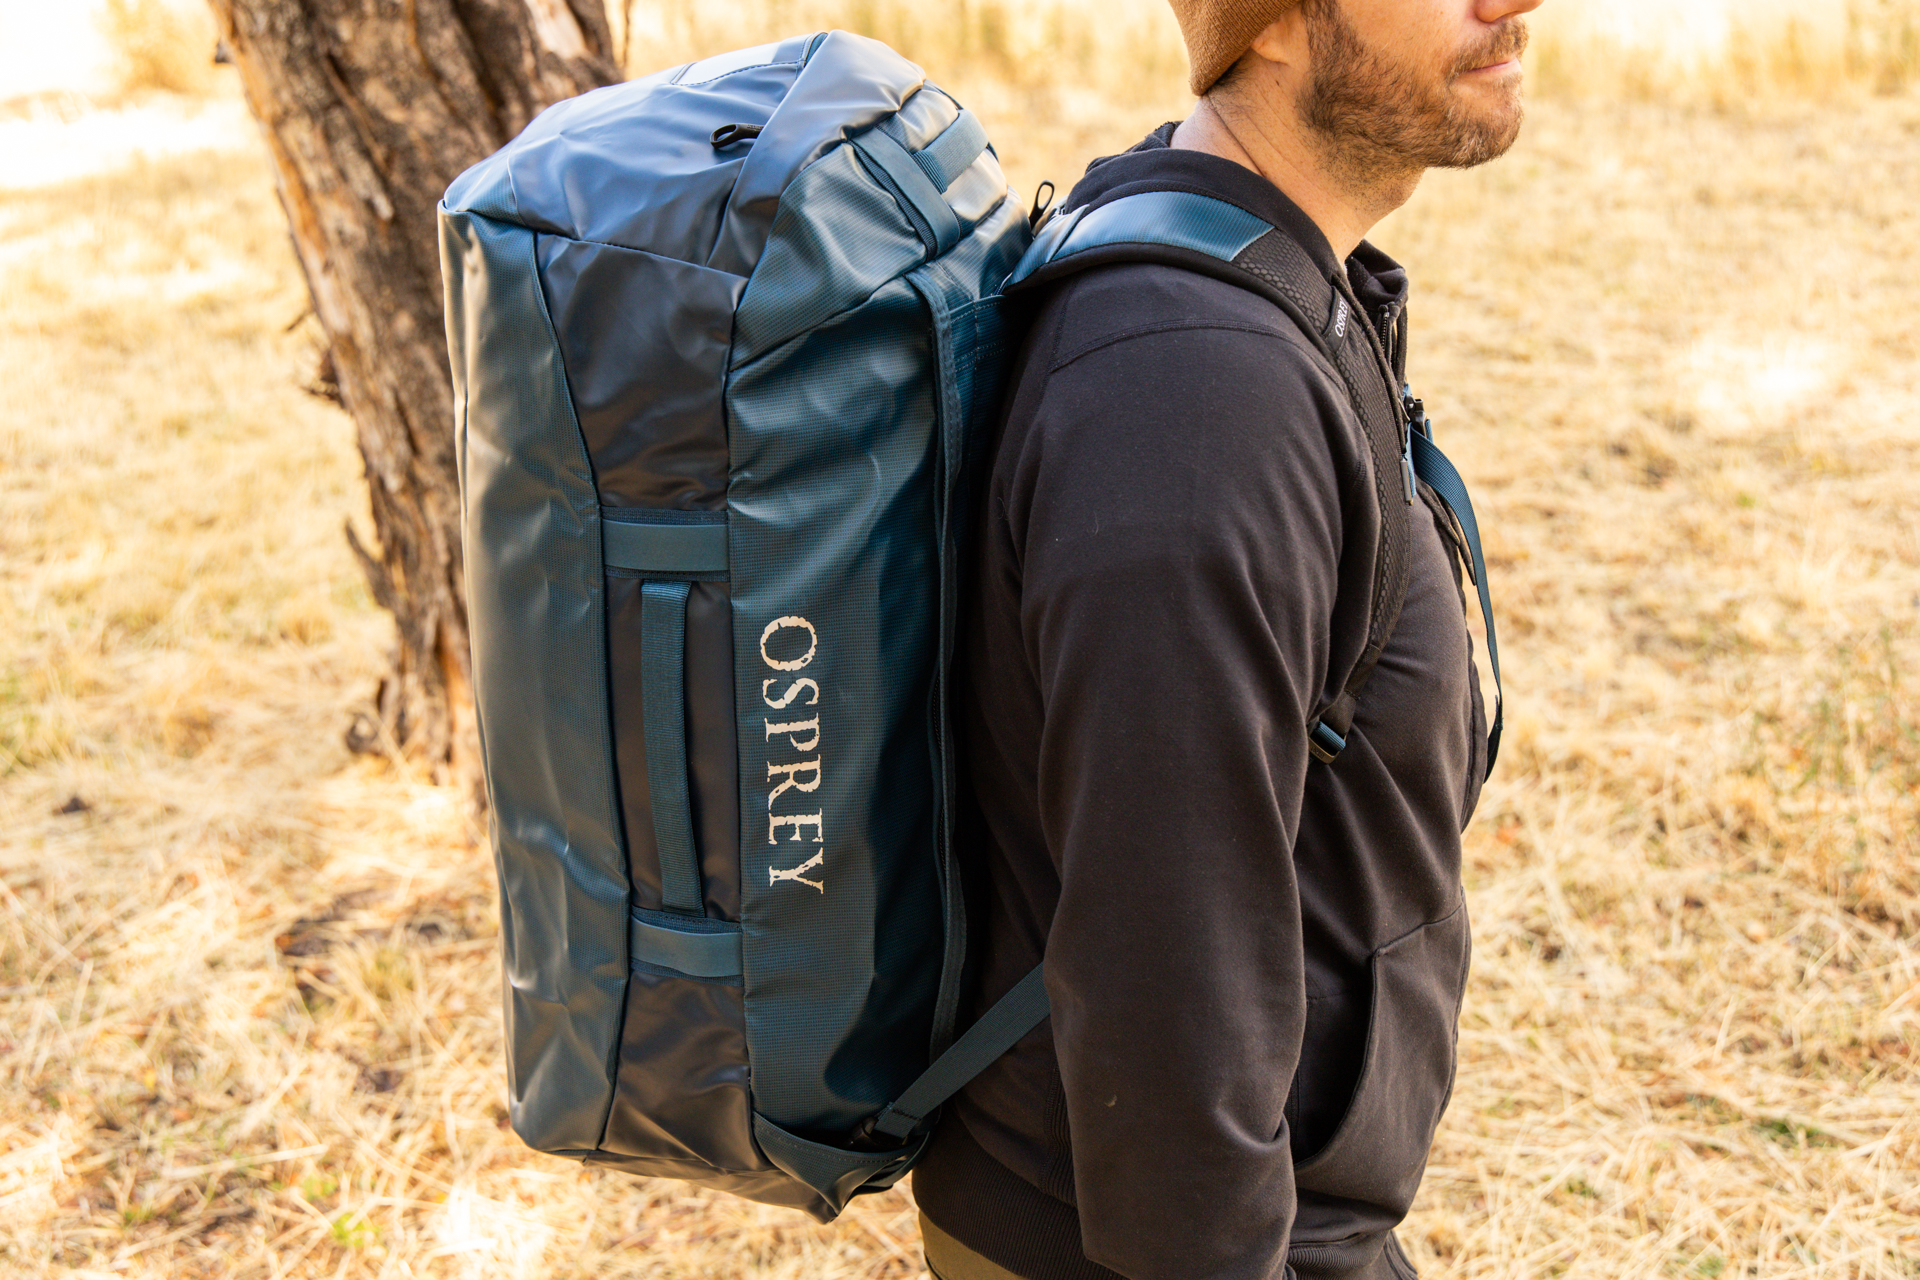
pixel 1275 145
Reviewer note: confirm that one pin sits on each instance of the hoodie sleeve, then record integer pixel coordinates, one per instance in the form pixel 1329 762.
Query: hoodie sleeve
pixel 1178 515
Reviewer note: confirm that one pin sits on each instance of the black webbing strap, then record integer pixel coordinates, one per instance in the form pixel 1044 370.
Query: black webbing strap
pixel 1432 466
pixel 663 691
pixel 998 1030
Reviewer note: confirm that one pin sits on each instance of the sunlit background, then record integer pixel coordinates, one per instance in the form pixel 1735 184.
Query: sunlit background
pixel 248 980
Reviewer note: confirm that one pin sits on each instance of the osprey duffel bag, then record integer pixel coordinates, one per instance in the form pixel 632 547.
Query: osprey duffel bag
pixel 720 338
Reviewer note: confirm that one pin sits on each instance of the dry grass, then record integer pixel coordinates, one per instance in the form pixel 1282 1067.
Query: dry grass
pixel 164 45
pixel 1674 353
pixel 1726 52
pixel 1032 43
pixel 1720 52
pixel 248 988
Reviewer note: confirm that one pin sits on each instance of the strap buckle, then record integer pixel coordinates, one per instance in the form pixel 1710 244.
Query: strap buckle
pixel 1324 743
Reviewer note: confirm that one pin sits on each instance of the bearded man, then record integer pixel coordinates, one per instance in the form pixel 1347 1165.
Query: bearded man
pixel 1254 941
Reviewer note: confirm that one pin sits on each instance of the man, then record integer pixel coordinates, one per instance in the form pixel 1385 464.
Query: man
pixel 1254 958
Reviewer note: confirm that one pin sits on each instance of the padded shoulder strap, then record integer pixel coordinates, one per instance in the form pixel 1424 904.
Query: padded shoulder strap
pixel 1170 219
pixel 1212 236
pixel 1179 228
pixel 1215 237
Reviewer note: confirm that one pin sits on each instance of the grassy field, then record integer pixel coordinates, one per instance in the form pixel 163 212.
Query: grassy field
pixel 248 984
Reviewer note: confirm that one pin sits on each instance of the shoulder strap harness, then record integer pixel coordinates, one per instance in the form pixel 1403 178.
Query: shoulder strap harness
pixel 1211 236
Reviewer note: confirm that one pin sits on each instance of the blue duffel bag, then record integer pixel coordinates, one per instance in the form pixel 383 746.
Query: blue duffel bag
pixel 720 338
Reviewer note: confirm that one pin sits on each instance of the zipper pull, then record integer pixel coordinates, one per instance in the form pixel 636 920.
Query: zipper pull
pixel 1042 206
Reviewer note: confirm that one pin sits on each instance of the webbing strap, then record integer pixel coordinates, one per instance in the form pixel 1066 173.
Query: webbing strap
pixel 938 225
pixel 1432 466
pixel 954 151
pixel 648 547
pixel 696 947
pixel 999 1029
pixel 663 703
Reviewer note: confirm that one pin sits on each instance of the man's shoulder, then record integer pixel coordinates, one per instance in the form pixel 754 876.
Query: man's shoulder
pixel 1127 304
pixel 1144 382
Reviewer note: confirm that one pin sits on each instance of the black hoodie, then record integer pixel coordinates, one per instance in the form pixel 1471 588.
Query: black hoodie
pixel 1255 961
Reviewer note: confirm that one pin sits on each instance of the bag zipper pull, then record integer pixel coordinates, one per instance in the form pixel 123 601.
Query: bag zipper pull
pixel 728 134
pixel 1042 205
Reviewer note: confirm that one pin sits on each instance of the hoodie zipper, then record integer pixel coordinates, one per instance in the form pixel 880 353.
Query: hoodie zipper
pixel 1384 324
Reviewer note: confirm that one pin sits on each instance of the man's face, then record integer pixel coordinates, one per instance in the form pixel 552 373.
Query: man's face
pixel 1414 83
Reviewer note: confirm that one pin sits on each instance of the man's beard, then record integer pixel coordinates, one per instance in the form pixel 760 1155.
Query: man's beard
pixel 1380 121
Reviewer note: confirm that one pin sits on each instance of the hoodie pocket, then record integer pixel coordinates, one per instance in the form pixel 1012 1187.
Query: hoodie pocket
pixel 1379 1152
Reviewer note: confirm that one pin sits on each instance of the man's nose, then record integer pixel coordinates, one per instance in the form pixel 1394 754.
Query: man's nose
pixel 1491 11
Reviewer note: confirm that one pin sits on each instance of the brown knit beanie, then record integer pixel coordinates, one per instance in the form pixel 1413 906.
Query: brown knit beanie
pixel 1219 31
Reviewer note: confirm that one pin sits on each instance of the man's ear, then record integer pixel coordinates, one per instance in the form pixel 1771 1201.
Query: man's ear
pixel 1278 54
pixel 1284 40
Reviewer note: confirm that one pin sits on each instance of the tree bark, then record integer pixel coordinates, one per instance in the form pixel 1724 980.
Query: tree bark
pixel 371 107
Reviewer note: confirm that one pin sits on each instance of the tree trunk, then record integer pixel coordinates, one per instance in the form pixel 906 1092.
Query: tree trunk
pixel 371 107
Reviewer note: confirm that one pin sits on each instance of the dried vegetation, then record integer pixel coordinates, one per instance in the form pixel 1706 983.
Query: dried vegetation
pixel 247 980
pixel 164 45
